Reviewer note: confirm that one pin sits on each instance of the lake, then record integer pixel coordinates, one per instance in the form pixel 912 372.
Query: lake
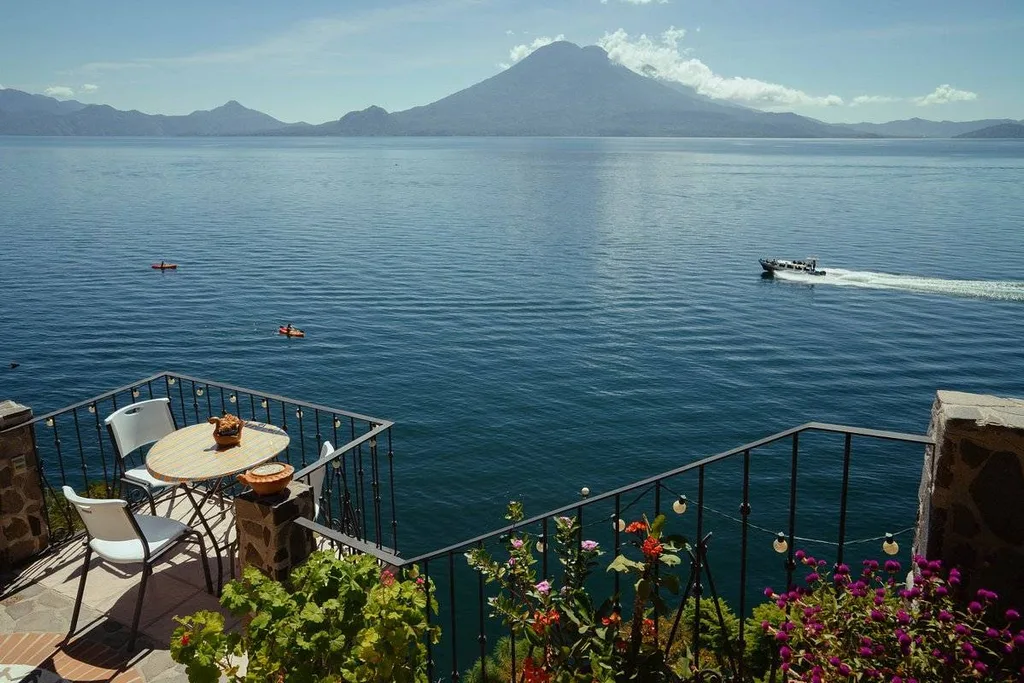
pixel 537 315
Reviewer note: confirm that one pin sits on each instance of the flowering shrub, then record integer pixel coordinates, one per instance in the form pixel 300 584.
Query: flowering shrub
pixel 876 627
pixel 571 639
pixel 338 619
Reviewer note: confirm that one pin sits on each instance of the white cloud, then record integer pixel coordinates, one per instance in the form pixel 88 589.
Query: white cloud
pixel 510 32
pixel 873 99
pixel 89 87
pixel 61 92
pixel 525 50
pixel 664 59
pixel 945 94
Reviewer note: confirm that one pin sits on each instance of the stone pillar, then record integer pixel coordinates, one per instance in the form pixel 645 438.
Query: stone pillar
pixel 971 500
pixel 23 528
pixel 267 537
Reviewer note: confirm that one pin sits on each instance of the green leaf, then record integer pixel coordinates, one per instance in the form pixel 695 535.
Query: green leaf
pixel 670 582
pixel 669 560
pixel 657 525
pixel 624 564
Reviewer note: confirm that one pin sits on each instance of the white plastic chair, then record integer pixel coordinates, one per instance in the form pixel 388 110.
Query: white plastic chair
pixel 121 537
pixel 133 427
pixel 316 479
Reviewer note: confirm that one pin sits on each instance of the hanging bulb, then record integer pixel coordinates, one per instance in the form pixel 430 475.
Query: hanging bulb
pixel 540 546
pixel 171 381
pixel 780 543
pixel 585 491
pixel 92 407
pixel 679 507
pixel 199 391
pixel 49 422
pixel 232 398
pixel 890 546
pixel 337 423
pixel 620 524
pixel 135 392
pixel 336 464
pixel 298 412
pixel 263 403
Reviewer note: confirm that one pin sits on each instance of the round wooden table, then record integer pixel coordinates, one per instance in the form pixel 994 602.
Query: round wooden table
pixel 191 455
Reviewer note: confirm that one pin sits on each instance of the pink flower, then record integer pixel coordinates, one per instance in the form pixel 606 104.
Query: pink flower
pixel 517 543
pixel 543 587
pixel 589 546
pixel 1012 615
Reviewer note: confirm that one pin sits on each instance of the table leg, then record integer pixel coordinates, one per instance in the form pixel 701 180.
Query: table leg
pixel 209 532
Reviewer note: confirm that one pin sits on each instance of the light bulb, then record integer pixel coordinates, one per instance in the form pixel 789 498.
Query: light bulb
pixel 890 546
pixel 679 507
pixel 540 546
pixel 199 391
pixel 171 380
pixel 780 543
pixel 92 407
pixel 232 398
pixel 263 403
pixel 135 393
pixel 585 491
pixel 337 423
pixel 49 422
pixel 298 412
pixel 620 524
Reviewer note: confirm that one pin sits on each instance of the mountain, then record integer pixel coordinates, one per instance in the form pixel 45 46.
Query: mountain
pixel 1002 130
pixel 16 101
pixel 923 128
pixel 25 114
pixel 563 89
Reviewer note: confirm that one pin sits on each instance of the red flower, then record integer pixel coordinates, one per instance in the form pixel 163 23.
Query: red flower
pixel 533 673
pixel 648 627
pixel 636 527
pixel 184 639
pixel 612 619
pixel 652 549
pixel 387 578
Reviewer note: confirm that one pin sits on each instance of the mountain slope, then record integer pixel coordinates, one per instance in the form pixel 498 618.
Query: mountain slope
pixel 563 89
pixel 1002 130
pixel 923 128
pixel 25 114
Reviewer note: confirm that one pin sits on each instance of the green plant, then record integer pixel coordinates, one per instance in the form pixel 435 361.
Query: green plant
pixel 571 639
pixel 61 515
pixel 336 620
pixel 497 666
pixel 759 644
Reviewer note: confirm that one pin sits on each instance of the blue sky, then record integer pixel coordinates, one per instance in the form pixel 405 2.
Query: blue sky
pixel 873 60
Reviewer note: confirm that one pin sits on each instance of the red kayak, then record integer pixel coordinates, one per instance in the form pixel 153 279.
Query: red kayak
pixel 293 332
pixel 164 266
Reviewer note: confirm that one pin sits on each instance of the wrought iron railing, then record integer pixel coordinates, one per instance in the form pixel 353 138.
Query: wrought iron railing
pixel 73 448
pixel 704 488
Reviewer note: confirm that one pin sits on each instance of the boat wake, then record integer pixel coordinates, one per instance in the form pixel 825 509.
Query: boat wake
pixel 1001 290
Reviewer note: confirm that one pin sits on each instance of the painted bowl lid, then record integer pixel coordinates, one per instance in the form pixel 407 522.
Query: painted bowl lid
pixel 268 469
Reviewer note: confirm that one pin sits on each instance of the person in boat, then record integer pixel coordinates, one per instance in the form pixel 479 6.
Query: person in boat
pixel 161 264
pixel 288 329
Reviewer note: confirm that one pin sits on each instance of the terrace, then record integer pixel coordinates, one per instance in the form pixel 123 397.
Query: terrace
pixel 746 510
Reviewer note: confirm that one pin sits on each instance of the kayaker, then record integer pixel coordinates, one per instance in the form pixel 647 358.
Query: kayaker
pixel 288 329
pixel 161 265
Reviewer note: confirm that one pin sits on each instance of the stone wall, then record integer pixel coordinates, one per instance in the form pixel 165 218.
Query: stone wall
pixel 23 528
pixel 267 537
pixel 971 500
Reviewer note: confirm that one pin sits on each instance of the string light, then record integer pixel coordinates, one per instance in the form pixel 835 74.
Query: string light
pixel 679 507
pixel 540 546
pixel 199 391
pixel 890 546
pixel 298 412
pixel 620 524
pixel 49 422
pixel 232 398
pixel 135 392
pixel 92 407
pixel 780 543
pixel 171 381
pixel 337 423
pixel 263 403
pixel 336 464
pixel 585 491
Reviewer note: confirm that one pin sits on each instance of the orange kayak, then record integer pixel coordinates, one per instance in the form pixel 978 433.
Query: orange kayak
pixel 294 332
pixel 164 266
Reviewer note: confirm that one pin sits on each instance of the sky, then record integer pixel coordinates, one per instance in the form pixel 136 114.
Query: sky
pixel 315 60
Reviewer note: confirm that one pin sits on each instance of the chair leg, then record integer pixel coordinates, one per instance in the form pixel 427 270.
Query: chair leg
pixel 152 503
pixel 146 571
pixel 206 562
pixel 81 591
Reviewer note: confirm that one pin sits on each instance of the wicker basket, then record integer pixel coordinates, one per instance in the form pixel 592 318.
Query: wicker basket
pixel 268 479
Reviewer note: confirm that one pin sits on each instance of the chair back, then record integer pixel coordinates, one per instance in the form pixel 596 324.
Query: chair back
pixel 104 519
pixel 139 424
pixel 317 476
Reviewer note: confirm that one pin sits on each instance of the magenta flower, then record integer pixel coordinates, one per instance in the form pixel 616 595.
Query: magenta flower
pixel 1012 615
pixel 517 543
pixel 589 546
pixel 543 587
pixel 974 607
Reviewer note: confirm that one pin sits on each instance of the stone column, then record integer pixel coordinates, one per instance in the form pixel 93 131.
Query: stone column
pixel 23 528
pixel 971 500
pixel 267 537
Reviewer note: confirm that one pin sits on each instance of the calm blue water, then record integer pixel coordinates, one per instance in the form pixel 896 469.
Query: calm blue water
pixel 536 314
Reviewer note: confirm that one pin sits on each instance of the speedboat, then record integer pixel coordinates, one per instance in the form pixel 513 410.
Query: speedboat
pixel 807 266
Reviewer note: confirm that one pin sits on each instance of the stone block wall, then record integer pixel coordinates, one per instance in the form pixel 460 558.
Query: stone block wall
pixel 23 528
pixel 267 537
pixel 971 500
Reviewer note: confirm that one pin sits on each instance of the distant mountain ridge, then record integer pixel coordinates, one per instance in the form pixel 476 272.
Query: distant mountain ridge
pixel 923 128
pixel 560 89
pixel 999 131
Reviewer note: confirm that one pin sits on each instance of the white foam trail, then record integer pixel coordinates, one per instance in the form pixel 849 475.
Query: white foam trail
pixel 1002 290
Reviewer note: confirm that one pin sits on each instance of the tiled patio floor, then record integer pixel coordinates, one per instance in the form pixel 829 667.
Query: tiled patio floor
pixel 39 599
